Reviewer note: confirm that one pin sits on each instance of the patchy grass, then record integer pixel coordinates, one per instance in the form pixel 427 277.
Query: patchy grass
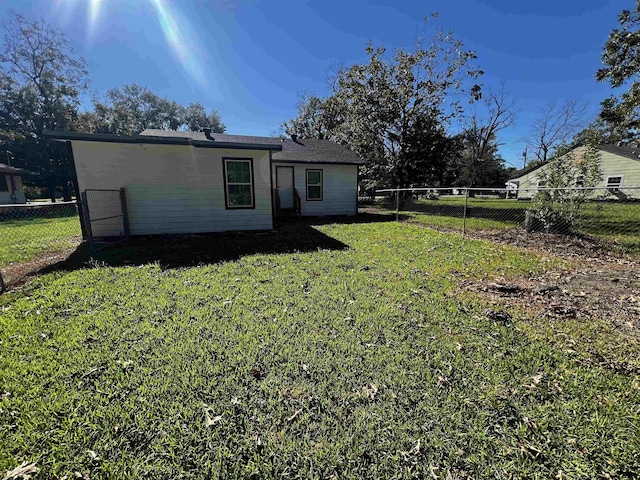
pixel 24 240
pixel 354 361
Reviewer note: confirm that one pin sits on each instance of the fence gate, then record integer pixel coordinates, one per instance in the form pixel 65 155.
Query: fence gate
pixel 105 216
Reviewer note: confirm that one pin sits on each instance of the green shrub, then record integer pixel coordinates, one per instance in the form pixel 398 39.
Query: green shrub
pixel 567 176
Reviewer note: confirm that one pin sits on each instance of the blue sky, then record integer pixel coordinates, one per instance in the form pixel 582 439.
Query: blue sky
pixel 251 59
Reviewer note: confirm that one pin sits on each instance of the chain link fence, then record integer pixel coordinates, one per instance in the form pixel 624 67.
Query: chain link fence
pixel 35 236
pixel 609 217
pixel 106 218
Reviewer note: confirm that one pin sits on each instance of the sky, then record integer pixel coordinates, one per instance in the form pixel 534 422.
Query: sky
pixel 252 59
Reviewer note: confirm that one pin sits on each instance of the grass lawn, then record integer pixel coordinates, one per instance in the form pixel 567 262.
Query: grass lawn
pixel 617 222
pixel 350 358
pixel 24 240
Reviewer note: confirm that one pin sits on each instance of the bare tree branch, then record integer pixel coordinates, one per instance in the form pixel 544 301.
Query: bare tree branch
pixel 557 125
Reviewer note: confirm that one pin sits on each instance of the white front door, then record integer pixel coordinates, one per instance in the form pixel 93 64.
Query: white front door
pixel 284 184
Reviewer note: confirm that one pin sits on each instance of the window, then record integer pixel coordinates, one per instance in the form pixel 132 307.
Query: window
pixel 614 182
pixel 238 182
pixel 4 186
pixel 314 185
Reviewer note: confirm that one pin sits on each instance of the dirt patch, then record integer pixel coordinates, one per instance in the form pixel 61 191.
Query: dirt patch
pixel 602 296
pixel 17 274
pixel 589 292
pixel 564 246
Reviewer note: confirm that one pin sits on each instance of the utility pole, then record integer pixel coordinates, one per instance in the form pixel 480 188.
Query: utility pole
pixel 524 156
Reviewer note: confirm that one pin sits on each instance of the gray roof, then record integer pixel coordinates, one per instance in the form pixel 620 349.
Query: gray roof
pixel 303 150
pixel 219 137
pixel 629 152
pixel 534 165
pixel 173 138
pixel 312 150
pixel 14 170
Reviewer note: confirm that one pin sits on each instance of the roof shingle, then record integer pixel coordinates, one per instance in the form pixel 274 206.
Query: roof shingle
pixel 303 150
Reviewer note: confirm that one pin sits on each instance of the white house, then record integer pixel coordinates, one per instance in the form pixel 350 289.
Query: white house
pixel 11 187
pixel 620 167
pixel 191 182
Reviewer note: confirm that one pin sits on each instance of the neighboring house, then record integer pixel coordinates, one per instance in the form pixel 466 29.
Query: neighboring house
pixel 620 167
pixel 11 187
pixel 190 182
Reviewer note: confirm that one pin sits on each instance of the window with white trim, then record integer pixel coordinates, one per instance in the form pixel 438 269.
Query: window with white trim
pixel 614 181
pixel 314 185
pixel 238 182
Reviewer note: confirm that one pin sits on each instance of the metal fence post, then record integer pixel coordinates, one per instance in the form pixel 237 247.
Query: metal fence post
pixel 87 218
pixel 125 213
pixel 397 203
pixel 464 215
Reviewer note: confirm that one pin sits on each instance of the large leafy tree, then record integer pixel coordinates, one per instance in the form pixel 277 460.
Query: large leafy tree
pixel 316 118
pixel 393 110
pixel 621 59
pixel 41 78
pixel 195 118
pixel 463 168
pixel 133 108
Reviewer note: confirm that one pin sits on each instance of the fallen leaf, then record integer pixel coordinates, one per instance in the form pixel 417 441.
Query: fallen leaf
pixel 208 421
pixel 24 471
pixel 370 390
pixel 297 412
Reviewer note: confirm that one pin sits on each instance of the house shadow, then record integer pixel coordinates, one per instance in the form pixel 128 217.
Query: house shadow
pixel 175 251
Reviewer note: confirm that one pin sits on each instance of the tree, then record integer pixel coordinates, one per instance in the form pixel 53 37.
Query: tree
pixel 133 108
pixel 556 126
pixel 481 164
pixel 558 209
pixel 393 110
pixel 621 59
pixel 316 118
pixel 40 82
pixel 196 118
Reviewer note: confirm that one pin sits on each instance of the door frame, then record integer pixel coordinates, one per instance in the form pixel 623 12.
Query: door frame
pixel 293 177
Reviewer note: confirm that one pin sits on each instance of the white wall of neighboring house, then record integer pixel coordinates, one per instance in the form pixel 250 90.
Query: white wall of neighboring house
pixel 16 188
pixel 170 188
pixel 339 189
pixel 611 165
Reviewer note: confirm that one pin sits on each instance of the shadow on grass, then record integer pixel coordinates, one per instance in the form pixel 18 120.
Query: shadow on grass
pixel 174 251
pixel 500 214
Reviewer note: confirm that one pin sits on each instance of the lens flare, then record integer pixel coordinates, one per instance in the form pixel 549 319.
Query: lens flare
pixel 176 30
pixel 184 49
pixel 94 13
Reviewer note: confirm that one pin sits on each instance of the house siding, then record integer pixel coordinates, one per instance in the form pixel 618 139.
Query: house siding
pixel 171 188
pixel 339 188
pixel 610 165
pixel 5 197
